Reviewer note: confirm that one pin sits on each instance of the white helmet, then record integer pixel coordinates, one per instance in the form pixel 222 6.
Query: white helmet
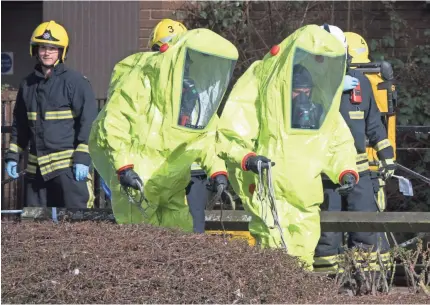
pixel 336 32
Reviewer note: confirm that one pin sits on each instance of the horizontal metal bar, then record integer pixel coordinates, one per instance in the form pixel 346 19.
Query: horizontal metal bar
pixel 349 221
pixel 411 148
pixel 227 216
pixel 11 211
pixel 375 222
pixel 330 221
pixel 404 128
pixel 64 214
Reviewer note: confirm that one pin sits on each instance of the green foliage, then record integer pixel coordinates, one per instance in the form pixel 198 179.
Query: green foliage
pixel 412 82
pixel 411 72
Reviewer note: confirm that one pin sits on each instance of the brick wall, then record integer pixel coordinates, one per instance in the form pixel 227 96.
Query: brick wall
pixel 369 19
pixel 372 21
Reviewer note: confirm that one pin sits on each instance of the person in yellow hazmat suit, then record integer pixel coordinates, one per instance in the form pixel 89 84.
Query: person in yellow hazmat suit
pixel 287 106
pixel 160 118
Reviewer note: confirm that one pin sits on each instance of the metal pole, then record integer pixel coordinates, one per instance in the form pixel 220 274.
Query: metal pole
pixel 11 211
pixel 413 173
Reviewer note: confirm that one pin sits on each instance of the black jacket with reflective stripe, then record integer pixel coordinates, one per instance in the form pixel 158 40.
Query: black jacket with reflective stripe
pixel 55 115
pixel 364 121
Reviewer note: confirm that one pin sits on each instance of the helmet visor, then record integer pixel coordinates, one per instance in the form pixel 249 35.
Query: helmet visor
pixel 205 79
pixel 315 80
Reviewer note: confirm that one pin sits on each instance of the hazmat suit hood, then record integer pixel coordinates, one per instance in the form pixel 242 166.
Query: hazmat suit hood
pixel 261 101
pixel 202 62
pixel 199 55
pixel 160 115
pixel 323 57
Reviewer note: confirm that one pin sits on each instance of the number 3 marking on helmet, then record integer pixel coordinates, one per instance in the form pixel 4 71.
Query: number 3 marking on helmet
pixel 170 29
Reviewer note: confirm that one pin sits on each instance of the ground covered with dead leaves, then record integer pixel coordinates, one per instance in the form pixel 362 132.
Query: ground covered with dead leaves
pixel 106 263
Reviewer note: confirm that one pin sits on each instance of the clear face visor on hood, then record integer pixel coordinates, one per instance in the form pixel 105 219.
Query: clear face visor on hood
pixel 204 82
pixel 315 81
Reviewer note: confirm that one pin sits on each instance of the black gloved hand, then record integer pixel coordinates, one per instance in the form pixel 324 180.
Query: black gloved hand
pixel 129 178
pixel 252 161
pixel 219 180
pixel 347 183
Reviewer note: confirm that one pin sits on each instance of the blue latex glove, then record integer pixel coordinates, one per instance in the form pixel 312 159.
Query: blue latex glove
pixel 349 83
pixel 11 169
pixel 81 171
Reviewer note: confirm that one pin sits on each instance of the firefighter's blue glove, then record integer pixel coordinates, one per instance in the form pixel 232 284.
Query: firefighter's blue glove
pixel 81 171
pixel 349 83
pixel 11 169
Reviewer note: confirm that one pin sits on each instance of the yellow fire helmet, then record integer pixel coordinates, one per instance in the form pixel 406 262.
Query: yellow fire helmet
pixel 163 32
pixel 357 48
pixel 50 34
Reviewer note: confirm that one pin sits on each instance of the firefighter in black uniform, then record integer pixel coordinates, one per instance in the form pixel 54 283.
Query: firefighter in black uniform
pixel 359 109
pixel 54 110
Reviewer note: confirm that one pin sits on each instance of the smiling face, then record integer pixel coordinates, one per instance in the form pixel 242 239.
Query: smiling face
pixel 48 55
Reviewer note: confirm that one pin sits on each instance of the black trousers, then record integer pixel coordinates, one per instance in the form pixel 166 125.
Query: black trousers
pixel 62 191
pixel 361 199
pixel 197 197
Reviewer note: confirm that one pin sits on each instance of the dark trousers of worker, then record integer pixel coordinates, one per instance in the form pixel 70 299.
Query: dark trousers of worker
pixel 361 199
pixel 197 197
pixel 62 191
